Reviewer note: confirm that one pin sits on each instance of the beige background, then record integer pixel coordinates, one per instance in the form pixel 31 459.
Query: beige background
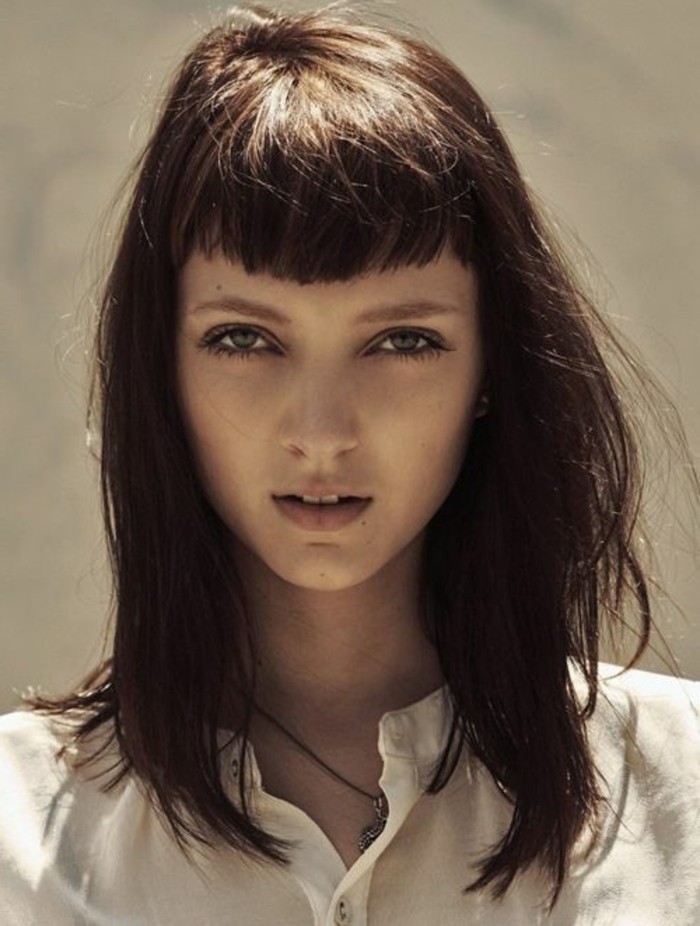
pixel 600 99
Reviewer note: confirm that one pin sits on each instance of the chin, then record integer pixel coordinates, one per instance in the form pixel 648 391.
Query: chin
pixel 323 577
pixel 322 580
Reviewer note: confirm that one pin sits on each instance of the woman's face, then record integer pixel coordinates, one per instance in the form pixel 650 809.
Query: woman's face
pixel 364 388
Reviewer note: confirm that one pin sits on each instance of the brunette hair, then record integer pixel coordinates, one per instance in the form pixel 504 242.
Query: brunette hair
pixel 316 147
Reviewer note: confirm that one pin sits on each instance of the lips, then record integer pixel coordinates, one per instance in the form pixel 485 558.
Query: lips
pixel 320 517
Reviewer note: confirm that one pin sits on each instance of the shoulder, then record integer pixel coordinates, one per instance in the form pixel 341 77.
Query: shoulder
pixel 655 719
pixel 29 746
pixel 648 685
pixel 652 707
pixel 645 742
pixel 33 770
pixel 40 756
pixel 48 812
pixel 30 777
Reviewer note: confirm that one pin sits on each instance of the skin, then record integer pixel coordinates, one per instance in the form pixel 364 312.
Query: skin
pixel 329 397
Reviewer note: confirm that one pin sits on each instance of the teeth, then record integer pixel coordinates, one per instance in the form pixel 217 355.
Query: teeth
pixel 321 500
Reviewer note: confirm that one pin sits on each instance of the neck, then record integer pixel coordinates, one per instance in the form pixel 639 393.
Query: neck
pixel 345 656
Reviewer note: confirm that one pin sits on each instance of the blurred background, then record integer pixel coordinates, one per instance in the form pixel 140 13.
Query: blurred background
pixel 601 103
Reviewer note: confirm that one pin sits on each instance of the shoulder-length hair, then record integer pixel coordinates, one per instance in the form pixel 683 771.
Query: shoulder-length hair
pixel 316 147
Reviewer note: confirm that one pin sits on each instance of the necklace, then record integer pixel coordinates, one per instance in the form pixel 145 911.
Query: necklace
pixel 379 801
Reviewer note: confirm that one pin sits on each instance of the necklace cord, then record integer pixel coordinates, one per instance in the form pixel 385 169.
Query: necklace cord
pixel 381 808
pixel 312 755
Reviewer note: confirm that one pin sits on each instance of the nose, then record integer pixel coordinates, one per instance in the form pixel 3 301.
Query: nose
pixel 319 416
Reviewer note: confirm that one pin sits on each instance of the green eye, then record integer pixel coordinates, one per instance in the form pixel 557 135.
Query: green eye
pixel 431 348
pixel 233 340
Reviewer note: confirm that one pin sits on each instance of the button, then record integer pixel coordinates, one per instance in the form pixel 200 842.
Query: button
pixel 343 915
pixel 235 768
pixel 397 730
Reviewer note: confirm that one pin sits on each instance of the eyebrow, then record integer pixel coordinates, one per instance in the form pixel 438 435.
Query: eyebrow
pixel 418 308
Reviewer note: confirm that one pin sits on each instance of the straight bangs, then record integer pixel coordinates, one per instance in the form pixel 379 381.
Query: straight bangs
pixel 304 172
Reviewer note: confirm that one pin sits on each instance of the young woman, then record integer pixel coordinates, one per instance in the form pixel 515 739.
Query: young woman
pixel 371 499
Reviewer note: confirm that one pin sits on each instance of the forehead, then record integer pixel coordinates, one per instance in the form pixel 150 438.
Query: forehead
pixel 444 285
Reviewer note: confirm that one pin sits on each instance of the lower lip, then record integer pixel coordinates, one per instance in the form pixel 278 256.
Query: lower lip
pixel 322 517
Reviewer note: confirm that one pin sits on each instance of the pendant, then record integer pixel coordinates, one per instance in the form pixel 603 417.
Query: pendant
pixel 371 832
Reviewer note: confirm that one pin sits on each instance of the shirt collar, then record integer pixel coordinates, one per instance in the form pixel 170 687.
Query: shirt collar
pixel 418 732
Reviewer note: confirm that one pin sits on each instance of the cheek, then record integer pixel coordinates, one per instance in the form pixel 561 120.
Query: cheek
pixel 211 399
pixel 427 444
pixel 215 431
pixel 443 445
pixel 437 418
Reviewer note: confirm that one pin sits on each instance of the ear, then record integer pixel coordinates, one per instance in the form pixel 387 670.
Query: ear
pixel 482 403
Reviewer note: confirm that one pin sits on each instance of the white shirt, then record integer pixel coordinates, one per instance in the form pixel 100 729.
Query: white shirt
pixel 71 855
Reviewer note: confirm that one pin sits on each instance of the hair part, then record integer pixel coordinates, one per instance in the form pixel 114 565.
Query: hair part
pixel 316 148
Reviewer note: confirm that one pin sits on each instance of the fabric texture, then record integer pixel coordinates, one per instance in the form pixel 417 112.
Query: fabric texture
pixel 71 855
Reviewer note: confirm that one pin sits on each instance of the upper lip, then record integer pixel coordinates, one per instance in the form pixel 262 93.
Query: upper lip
pixel 320 490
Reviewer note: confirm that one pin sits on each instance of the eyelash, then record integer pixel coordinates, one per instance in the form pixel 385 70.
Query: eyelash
pixel 212 342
